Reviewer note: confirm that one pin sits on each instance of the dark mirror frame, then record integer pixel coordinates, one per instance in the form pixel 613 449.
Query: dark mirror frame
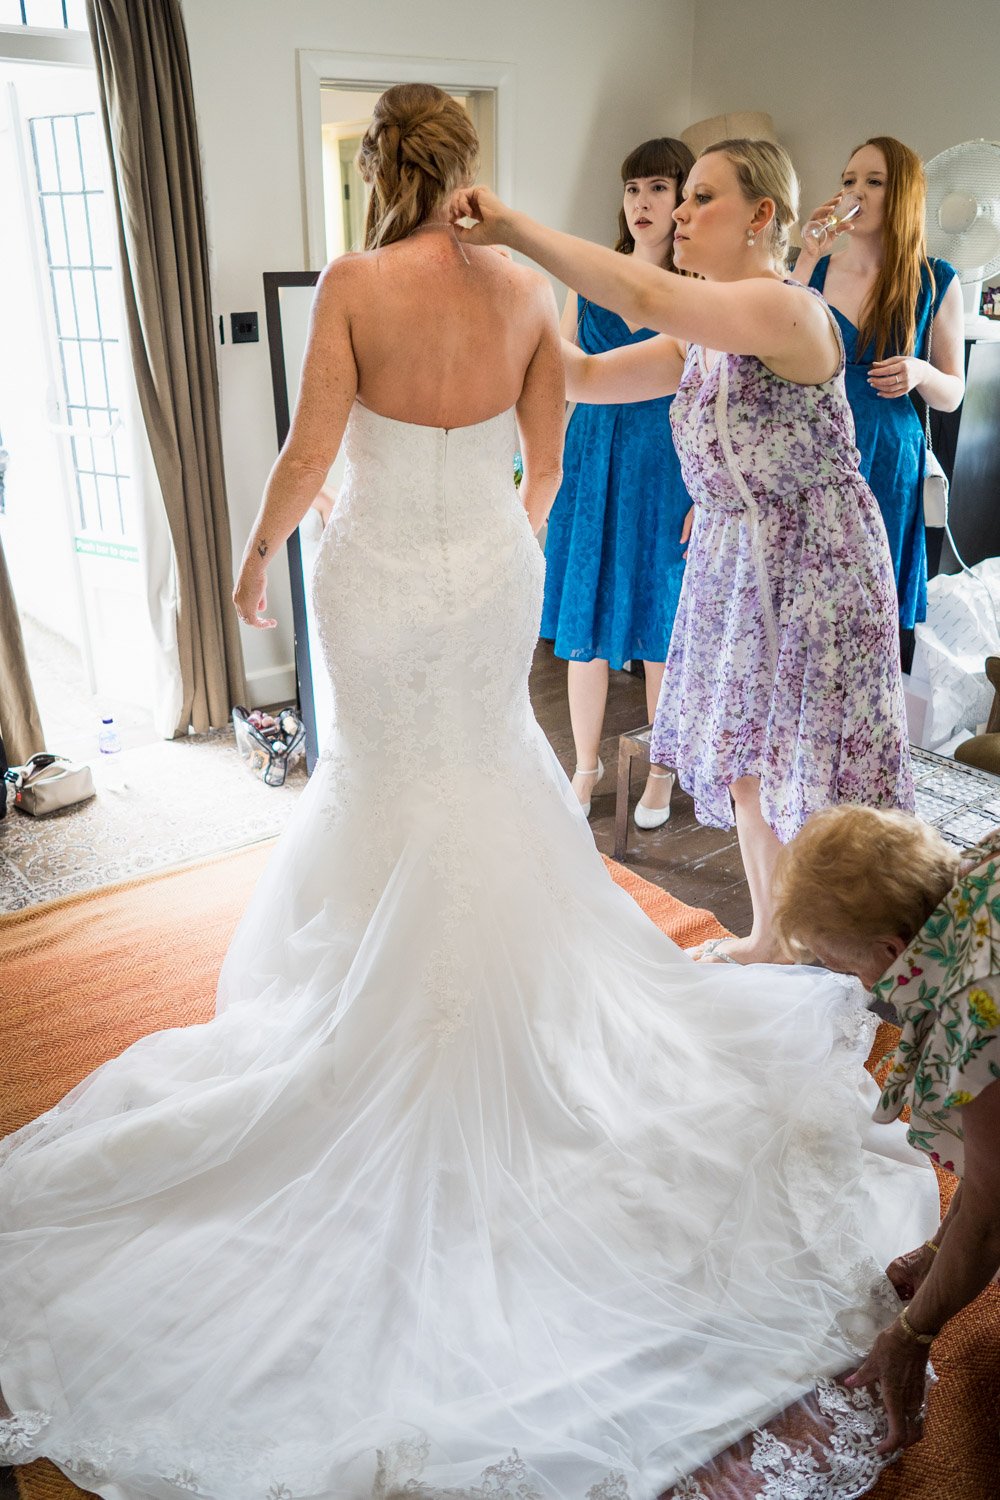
pixel 273 282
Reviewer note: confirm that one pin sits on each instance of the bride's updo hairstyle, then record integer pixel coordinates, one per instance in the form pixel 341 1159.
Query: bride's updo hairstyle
pixel 420 146
pixel 764 170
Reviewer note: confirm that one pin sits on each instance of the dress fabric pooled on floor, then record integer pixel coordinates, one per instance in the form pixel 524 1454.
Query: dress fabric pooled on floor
pixel 475 1185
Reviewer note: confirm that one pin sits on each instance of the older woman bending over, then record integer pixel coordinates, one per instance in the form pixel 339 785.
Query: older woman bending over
pixel 881 895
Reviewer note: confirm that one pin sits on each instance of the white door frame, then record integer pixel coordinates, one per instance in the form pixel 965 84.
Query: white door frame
pixel 379 71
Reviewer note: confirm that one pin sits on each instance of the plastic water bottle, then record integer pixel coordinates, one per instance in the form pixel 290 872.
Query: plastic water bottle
pixel 110 745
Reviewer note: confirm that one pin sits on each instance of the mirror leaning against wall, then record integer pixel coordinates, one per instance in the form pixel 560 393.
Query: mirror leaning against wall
pixel 288 298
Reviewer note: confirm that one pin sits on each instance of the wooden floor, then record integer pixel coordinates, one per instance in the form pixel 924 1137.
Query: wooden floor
pixel 701 866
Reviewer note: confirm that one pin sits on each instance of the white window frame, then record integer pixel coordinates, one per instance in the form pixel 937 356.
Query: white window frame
pixel 378 71
pixel 44 44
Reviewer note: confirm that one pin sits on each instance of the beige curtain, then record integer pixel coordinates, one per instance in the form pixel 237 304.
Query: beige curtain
pixel 145 81
pixel 20 724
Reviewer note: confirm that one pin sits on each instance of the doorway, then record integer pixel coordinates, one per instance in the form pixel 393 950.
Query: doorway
pixel 354 81
pixel 346 111
pixel 68 415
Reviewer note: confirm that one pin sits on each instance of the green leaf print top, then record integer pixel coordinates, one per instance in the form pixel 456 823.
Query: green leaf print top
pixel 946 990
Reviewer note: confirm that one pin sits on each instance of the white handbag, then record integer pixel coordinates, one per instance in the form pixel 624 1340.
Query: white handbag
pixel 48 783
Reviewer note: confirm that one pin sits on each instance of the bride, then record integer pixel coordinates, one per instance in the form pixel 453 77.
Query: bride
pixel 475 1185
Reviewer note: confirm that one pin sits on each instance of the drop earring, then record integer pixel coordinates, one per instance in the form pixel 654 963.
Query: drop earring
pixel 751 238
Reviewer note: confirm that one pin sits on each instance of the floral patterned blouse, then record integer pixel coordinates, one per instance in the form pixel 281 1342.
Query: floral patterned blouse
pixel 946 990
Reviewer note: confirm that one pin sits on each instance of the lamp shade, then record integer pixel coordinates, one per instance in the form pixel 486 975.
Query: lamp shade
pixel 750 123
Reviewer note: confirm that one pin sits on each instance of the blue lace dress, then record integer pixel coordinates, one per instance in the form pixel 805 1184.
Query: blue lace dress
pixel 890 439
pixel 613 555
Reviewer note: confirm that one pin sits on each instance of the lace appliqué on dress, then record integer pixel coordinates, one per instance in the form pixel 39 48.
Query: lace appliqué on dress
pixel 835 1461
pixel 18 1434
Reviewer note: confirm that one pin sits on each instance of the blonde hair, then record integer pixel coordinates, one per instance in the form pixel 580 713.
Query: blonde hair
pixel 855 874
pixel 420 146
pixel 889 313
pixel 764 170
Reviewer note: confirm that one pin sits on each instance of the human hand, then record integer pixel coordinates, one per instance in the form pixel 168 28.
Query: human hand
pixel 897 375
pixel 909 1272
pixel 479 203
pixel 323 504
pixel 685 536
pixel 250 595
pixel 899 1365
pixel 812 247
pixel 826 210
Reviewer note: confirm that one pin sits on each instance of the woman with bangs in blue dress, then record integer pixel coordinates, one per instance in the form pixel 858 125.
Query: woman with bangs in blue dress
pixel 618 530
pixel 901 317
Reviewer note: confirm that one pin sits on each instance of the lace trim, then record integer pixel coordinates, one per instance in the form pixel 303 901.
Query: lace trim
pixel 841 1464
pixel 510 1479
pixel 18 1434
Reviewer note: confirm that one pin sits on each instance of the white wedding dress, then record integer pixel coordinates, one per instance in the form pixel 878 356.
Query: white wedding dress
pixel 475 1185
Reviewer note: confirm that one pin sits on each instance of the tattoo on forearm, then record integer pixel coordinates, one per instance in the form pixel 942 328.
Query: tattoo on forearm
pixel 262 548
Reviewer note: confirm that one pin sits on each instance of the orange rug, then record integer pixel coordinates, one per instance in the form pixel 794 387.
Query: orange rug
pixel 145 955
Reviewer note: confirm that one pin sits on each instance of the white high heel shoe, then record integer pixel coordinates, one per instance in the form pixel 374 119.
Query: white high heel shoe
pixel 597 774
pixel 653 817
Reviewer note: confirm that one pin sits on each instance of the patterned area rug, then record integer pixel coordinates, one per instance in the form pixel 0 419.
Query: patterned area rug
pixel 184 800
pixel 146 954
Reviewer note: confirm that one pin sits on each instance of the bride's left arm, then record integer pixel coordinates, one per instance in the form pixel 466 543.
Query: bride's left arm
pixel 327 389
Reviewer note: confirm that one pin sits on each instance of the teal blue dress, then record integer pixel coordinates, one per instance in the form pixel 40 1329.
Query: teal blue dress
pixel 613 557
pixel 890 439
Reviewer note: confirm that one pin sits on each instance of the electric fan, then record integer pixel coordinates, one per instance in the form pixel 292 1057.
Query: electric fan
pixel 963 221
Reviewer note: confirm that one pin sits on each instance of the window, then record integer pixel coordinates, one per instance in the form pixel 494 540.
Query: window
pixel 54 15
pixel 66 153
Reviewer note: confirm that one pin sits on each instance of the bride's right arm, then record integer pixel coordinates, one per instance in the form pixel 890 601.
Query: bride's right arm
pixel 638 372
pixel 327 389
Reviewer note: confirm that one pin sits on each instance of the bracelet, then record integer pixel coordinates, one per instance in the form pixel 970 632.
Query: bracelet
pixel 930 1245
pixel 911 1332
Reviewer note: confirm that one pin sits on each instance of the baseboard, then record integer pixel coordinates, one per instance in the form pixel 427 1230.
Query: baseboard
pixel 271 685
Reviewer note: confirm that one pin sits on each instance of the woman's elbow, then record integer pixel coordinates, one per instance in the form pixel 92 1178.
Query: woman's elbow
pixel 952 397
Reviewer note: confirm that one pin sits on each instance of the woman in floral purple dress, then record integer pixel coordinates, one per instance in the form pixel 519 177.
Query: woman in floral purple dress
pixel 782 691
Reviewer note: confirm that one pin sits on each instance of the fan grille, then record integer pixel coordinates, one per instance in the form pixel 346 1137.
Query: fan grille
pixel 963 208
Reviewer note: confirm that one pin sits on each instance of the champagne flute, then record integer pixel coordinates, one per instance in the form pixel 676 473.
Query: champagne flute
pixel 819 232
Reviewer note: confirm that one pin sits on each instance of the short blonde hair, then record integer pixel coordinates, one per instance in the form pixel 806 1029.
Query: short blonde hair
pixel 855 874
pixel 764 170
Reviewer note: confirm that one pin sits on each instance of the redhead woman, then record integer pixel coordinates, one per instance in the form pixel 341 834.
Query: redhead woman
pixel 900 315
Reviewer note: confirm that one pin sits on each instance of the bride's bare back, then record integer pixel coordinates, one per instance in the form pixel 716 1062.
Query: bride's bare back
pixel 422 331
pixel 460 327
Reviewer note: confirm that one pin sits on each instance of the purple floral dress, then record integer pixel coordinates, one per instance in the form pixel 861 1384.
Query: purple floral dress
pixel 784 662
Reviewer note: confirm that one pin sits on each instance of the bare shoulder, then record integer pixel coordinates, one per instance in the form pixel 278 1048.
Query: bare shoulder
pixel 339 279
pixel 804 303
pixel 528 288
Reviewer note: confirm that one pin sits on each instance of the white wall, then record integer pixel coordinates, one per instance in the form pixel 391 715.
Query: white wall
pixel 592 80
pixel 832 72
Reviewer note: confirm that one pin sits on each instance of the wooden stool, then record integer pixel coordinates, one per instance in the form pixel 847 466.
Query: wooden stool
pixel 635 743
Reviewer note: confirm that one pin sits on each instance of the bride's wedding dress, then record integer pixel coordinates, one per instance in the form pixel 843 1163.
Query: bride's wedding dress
pixel 475 1185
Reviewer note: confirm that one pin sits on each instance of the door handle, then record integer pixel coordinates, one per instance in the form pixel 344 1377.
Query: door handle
pixel 53 410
